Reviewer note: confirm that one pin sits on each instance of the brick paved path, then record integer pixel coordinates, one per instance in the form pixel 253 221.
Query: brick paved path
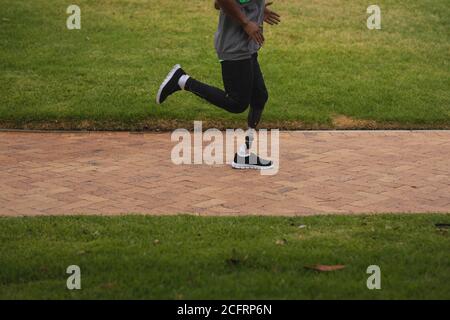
pixel 320 172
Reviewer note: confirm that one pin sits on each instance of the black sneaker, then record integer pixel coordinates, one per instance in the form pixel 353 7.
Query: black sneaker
pixel 170 84
pixel 251 161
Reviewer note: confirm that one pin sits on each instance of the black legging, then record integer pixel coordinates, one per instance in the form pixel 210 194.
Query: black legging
pixel 244 87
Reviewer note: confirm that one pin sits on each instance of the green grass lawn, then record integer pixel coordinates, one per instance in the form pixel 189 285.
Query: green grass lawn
pixel 225 258
pixel 324 68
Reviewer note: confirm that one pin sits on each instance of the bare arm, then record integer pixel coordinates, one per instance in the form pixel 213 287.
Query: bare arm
pixel 270 16
pixel 232 9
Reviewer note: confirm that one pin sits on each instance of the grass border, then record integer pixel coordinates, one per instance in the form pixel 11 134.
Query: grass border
pixel 163 125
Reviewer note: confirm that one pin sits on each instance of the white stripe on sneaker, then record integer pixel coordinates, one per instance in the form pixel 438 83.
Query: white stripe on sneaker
pixel 250 166
pixel 166 81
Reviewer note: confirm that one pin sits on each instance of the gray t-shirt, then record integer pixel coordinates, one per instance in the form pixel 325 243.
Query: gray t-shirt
pixel 231 41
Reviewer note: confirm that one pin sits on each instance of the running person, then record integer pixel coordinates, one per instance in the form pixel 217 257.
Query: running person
pixel 237 41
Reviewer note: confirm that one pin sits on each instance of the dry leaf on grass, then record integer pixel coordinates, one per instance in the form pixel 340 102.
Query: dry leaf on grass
pixel 108 285
pixel 323 268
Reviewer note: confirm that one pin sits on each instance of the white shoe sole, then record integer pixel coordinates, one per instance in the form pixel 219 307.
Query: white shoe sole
pixel 166 81
pixel 249 166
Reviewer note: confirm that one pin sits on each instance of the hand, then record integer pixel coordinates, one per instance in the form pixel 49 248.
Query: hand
pixel 254 32
pixel 271 17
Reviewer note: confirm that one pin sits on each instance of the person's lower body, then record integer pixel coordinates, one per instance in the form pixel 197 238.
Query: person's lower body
pixel 244 88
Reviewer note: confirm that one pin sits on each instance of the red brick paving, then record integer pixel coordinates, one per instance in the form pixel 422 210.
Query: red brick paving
pixel 320 173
